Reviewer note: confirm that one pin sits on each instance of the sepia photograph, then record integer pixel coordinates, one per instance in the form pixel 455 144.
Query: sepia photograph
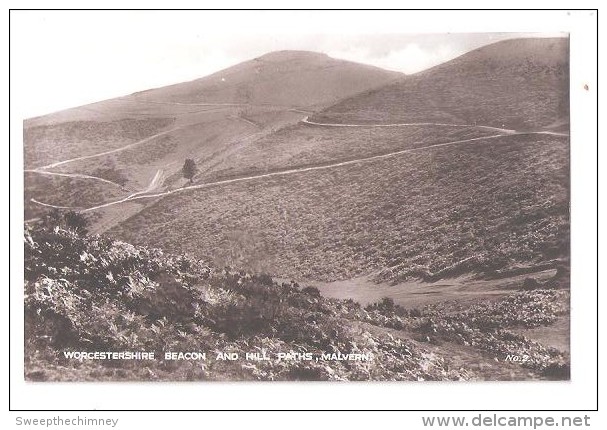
pixel 256 206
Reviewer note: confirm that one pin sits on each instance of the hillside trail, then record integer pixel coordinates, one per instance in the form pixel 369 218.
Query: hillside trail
pixel 112 151
pixel 48 205
pixel 156 182
pixel 144 194
pixel 75 175
pixel 407 124
pixel 410 124
pixel 245 120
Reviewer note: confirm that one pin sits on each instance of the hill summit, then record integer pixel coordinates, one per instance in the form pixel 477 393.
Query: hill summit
pixel 286 78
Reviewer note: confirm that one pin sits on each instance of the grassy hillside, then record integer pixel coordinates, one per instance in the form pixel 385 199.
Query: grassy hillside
pixel 46 144
pixel 521 84
pixel 304 144
pixel 205 141
pixel 130 139
pixel 473 207
pixel 93 294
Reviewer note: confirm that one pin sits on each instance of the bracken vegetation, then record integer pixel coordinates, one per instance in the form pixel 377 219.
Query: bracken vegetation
pixel 96 294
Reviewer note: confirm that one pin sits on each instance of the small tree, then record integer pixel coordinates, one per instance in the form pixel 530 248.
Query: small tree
pixel 189 169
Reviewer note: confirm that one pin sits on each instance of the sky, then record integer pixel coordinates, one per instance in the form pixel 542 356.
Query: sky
pixel 67 59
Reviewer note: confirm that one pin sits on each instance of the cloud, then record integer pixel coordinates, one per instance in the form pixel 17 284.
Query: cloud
pixel 411 58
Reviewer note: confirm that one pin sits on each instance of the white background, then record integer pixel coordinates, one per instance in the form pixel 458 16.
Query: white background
pixel 580 393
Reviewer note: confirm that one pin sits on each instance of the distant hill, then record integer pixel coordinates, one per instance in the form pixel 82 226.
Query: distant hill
pixel 520 84
pixel 105 141
pixel 288 78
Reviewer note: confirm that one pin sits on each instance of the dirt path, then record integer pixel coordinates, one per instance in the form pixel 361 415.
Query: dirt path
pixel 48 205
pixel 153 185
pixel 407 124
pixel 156 182
pixel 74 175
pixel 412 124
pixel 307 112
pixel 550 133
pixel 245 120
pixel 141 194
pixel 113 151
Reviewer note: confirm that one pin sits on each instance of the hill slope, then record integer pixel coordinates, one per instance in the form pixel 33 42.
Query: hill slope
pixel 286 78
pixel 439 200
pixel 519 84
pixel 129 140
pixel 432 212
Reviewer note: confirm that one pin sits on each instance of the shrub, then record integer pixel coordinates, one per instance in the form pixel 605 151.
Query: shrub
pixel 311 291
pixel 71 220
pixel 386 306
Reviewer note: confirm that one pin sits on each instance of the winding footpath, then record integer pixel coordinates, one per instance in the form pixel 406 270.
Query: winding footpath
pixel 158 178
pixel 142 195
pixel 112 151
pixel 407 124
pixel 145 194
pixel 413 124
pixel 74 175
pixel 48 205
